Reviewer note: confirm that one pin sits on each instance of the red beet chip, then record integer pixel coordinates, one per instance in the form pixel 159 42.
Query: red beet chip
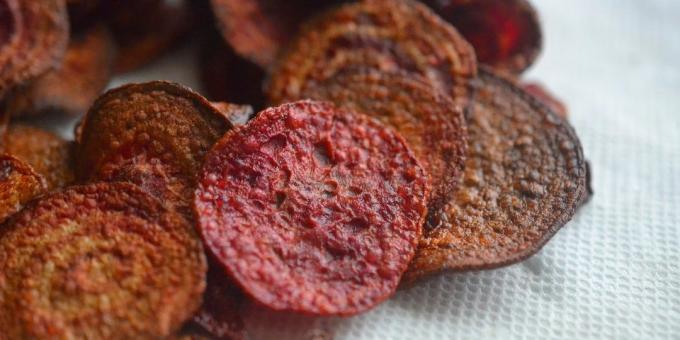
pixel 506 34
pixel 312 209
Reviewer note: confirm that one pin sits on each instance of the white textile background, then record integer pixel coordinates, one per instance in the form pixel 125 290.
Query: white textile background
pixel 614 271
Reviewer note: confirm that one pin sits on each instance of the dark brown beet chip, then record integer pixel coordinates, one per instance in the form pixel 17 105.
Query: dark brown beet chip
pixel 33 37
pixel 73 87
pixel 525 176
pixel 228 77
pixel 258 29
pixel 546 97
pixel 383 35
pixel 146 40
pixel 219 318
pixel 19 184
pixel 236 114
pixel 423 115
pixel 312 209
pixel 506 34
pixel 153 134
pixel 102 261
pixel 48 154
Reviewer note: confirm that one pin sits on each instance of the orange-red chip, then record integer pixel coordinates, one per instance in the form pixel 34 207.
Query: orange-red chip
pixel 98 261
pixel 19 184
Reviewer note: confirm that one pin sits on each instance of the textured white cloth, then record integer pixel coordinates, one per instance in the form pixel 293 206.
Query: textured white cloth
pixel 614 271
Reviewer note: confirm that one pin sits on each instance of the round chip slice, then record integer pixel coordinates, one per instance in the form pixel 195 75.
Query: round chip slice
pixel 50 155
pixel 73 87
pixel 153 134
pixel 506 34
pixel 424 116
pixel 19 184
pixel 312 209
pixel 525 176
pixel 33 37
pixel 384 35
pixel 98 261
pixel 258 29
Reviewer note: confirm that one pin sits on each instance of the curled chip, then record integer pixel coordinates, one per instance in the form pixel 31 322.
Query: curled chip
pixel 144 40
pixel 152 134
pixel 506 34
pixel 425 117
pixel 236 114
pixel 219 318
pixel 383 35
pixel 33 37
pixel 546 97
pixel 102 261
pixel 48 154
pixel 19 183
pixel 258 29
pixel 228 77
pixel 73 87
pixel 525 176
pixel 312 209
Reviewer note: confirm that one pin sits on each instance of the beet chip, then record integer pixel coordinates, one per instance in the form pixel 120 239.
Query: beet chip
pixel 258 29
pixel 525 176
pixel 424 116
pixel 98 261
pixel 312 209
pixel 546 97
pixel 141 40
pixel 219 318
pixel 33 37
pixel 506 34
pixel 382 35
pixel 228 77
pixel 48 154
pixel 153 134
pixel 19 184
pixel 73 86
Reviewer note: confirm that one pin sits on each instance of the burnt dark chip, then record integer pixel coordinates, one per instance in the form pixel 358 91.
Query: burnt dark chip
pixel 525 176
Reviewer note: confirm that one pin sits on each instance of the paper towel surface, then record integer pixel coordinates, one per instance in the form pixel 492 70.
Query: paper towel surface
pixel 612 272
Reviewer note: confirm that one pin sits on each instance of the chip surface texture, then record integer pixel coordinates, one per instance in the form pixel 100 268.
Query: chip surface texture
pixel 525 176
pixel 312 209
pixel 98 261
